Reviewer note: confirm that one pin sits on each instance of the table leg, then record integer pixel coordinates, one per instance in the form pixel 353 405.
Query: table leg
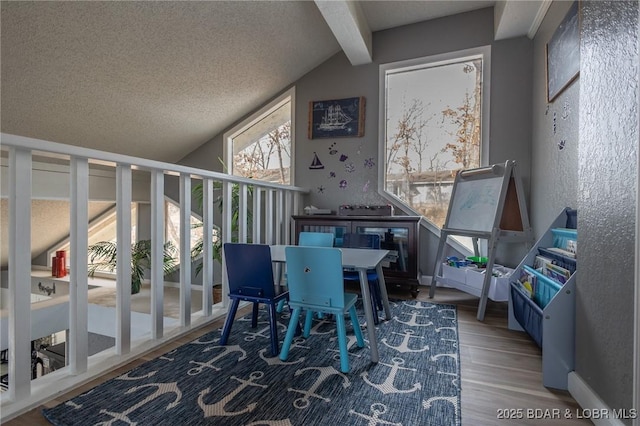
pixel 368 313
pixel 383 292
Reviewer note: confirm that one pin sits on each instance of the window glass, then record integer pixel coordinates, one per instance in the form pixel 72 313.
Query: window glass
pixel 433 114
pixel 261 146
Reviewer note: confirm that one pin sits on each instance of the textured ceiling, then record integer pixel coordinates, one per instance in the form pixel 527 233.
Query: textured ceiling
pixel 158 79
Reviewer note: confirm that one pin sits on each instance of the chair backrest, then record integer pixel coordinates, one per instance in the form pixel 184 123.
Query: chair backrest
pixel 314 276
pixel 316 239
pixel 249 269
pixel 352 240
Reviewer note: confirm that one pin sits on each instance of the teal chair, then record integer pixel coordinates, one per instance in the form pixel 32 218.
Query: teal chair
pixel 311 239
pixel 315 239
pixel 316 284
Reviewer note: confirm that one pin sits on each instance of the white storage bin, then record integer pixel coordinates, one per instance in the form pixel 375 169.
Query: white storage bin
pixel 470 280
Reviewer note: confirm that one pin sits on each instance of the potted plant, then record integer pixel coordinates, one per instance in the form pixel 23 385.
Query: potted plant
pixel 103 255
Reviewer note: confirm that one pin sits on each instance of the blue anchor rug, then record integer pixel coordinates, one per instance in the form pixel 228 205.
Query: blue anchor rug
pixel 416 382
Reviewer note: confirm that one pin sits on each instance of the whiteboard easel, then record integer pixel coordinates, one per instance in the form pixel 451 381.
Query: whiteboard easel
pixel 486 203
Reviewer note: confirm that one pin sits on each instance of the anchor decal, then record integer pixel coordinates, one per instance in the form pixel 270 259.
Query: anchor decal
pixel 452 399
pixel 325 373
pixel 166 358
pixel 351 340
pixel 404 346
pixel 264 333
pixel 126 376
pixel 209 364
pixel 412 322
pixel 454 381
pixel 375 419
pixel 387 386
pixel 420 305
pixel 162 388
pixel 276 360
pixel 204 342
pixel 436 357
pixel 316 327
pixel 73 405
pixel 455 332
pixel 217 409
pixel 448 310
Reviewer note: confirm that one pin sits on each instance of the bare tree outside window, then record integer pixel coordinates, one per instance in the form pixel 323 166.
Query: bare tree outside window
pixel 433 129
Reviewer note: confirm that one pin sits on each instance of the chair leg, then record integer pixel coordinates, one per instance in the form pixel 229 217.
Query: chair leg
pixel 273 323
pixel 356 326
pixel 254 316
pixel 293 325
pixel 229 321
pixel 280 306
pixel 307 324
pixel 342 343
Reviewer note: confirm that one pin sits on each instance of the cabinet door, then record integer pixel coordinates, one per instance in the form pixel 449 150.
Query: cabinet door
pixel 336 227
pixel 399 239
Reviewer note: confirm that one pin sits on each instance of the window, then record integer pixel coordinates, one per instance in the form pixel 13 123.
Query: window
pixel 434 112
pixel 261 146
pixel 172 228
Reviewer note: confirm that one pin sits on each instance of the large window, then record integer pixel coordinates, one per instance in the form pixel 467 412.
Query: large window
pixel 433 110
pixel 261 146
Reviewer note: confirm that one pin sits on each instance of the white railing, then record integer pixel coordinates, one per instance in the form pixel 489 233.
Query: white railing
pixel 272 206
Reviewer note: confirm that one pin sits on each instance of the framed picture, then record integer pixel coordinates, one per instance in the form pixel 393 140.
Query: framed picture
pixel 336 118
pixel 563 54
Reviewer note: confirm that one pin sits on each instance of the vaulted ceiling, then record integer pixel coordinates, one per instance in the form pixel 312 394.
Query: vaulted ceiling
pixel 158 79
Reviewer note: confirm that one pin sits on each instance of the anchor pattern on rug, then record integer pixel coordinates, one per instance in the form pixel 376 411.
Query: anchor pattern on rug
pixel 325 373
pixel 374 419
pixel 403 347
pixel 161 390
pixel 387 386
pixel 217 409
pixel 242 384
pixel 226 350
pixel 413 321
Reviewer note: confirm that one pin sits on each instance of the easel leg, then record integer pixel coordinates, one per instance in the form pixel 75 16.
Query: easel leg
pixel 437 269
pixel 482 305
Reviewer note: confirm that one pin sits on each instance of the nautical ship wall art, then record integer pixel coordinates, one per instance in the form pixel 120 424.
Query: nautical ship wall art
pixel 336 118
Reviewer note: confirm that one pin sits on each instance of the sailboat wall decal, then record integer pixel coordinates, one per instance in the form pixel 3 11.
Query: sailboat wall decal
pixel 337 118
pixel 316 164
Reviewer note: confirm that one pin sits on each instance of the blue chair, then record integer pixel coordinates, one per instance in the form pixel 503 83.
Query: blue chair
pixel 316 285
pixel 369 241
pixel 315 239
pixel 250 273
pixel 311 239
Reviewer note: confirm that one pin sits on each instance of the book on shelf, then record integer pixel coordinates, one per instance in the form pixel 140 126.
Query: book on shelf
pixel 562 252
pixel 527 282
pixel 557 273
pixel 540 262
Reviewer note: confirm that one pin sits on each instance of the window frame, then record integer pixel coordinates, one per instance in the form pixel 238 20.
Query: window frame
pixel 419 63
pixel 228 136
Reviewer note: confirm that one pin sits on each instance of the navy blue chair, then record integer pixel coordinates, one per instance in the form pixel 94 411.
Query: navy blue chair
pixel 250 273
pixel 368 241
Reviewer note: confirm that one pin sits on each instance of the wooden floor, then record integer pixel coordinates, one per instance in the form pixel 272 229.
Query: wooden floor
pixel 501 371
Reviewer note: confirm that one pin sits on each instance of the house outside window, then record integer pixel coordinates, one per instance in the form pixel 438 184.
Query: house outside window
pixel 435 115
pixel 261 147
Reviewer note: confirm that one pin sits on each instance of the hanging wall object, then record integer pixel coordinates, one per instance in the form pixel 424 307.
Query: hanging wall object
pixel 316 164
pixel 336 118
pixel 563 54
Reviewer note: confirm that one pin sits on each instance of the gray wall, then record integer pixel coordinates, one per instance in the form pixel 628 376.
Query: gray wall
pixel 607 196
pixel 510 125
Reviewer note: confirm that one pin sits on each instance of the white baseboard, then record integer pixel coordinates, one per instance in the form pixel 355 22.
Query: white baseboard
pixel 592 406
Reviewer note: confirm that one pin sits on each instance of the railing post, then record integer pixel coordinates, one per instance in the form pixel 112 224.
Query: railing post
pixel 157 253
pixel 227 219
pixel 268 216
pixel 185 249
pixel 242 213
pixel 279 216
pixel 257 214
pixel 78 343
pixel 123 259
pixel 207 249
pixel 19 273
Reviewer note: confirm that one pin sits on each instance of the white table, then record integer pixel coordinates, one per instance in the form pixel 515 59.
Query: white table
pixel 360 260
